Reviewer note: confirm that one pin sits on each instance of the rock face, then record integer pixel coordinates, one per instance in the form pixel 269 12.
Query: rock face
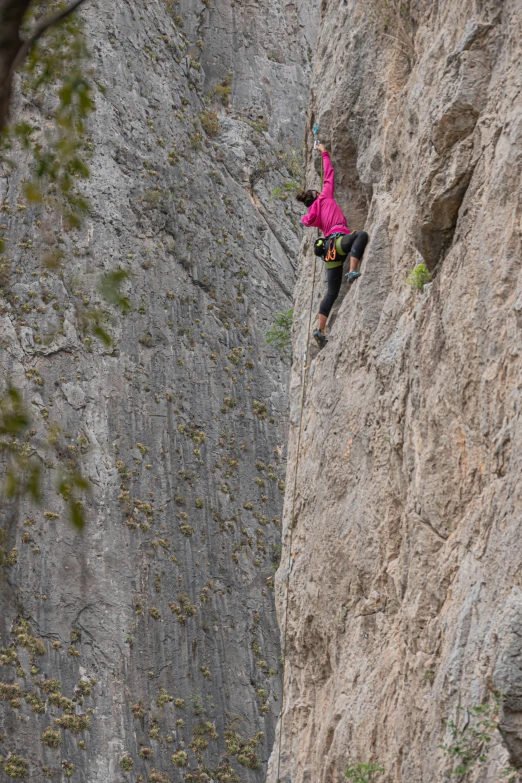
pixel 405 597
pixel 153 634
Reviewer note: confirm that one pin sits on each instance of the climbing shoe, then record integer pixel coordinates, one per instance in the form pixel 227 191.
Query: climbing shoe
pixel 319 338
pixel 351 276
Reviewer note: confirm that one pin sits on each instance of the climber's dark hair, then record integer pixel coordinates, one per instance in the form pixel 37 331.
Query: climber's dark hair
pixel 307 197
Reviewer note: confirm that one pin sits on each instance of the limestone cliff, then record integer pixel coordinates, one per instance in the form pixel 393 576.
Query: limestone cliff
pixel 147 648
pixel 405 596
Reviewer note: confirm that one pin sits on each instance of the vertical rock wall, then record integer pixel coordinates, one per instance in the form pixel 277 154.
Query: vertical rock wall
pixel 149 636
pixel 405 597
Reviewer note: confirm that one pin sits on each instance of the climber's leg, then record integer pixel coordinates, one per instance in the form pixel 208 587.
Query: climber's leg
pixel 334 278
pixel 358 247
pixel 354 244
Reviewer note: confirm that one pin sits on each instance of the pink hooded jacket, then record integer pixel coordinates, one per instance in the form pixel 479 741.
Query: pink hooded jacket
pixel 325 214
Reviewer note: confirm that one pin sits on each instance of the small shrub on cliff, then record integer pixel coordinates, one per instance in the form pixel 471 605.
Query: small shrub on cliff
pixel 126 763
pixel 418 277
pixel 74 723
pixel 180 759
pixel 223 90
pixel 16 767
pixel 280 335
pixel 364 773
pixel 210 122
pixel 470 745
pixel 51 737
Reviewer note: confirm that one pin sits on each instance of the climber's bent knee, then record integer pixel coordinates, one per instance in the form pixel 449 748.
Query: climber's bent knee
pixel 359 244
pixel 327 304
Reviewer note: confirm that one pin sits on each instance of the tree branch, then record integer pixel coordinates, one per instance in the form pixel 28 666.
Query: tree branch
pixel 13 50
pixel 28 45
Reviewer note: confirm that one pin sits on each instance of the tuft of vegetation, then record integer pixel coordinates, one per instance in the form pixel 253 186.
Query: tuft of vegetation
pixel 51 737
pixel 223 89
pixel 243 750
pixel 157 777
pixel 280 334
pixel 210 122
pixel 126 763
pixel 392 18
pixel 364 773
pixel 180 759
pixel 196 141
pixel 470 743
pixel 74 723
pixel 288 189
pixel 418 277
pixel 16 767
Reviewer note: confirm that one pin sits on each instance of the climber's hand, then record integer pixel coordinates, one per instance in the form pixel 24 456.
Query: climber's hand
pixel 321 147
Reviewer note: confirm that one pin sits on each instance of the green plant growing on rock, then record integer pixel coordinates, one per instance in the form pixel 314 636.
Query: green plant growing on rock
pixel 210 122
pixel 223 89
pixel 180 759
pixel 280 334
pixel 126 763
pixel 288 189
pixel 74 723
pixel 243 750
pixel 470 744
pixel 157 777
pixel 51 737
pixel 138 710
pixel 364 773
pixel 419 277
pixel 16 767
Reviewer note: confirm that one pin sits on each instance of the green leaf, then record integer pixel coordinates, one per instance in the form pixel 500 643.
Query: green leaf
pixel 109 288
pixel 11 483
pixel 33 193
pixel 102 334
pixel 33 483
pixel 77 515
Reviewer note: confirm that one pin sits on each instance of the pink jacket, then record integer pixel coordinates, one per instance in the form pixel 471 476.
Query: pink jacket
pixel 325 213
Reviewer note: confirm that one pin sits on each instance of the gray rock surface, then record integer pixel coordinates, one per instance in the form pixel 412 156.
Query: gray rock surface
pixel 404 600
pixel 166 600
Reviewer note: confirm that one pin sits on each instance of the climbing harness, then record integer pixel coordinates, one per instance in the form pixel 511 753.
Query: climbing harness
pixel 292 554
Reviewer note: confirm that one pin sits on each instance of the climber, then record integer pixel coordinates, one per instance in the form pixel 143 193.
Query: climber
pixel 325 214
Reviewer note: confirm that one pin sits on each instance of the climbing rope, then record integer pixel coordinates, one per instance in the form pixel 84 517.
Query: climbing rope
pixel 294 492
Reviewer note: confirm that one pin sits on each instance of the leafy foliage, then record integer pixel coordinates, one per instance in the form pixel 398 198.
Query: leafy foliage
pixel 288 189
pixel 418 277
pixel 210 122
pixel 364 773
pixel 54 74
pixel 23 471
pixel 280 334
pixel 470 744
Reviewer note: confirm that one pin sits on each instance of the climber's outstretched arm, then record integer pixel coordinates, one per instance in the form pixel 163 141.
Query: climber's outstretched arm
pixel 329 176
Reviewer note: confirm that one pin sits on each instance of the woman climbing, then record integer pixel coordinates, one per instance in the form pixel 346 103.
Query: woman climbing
pixel 325 214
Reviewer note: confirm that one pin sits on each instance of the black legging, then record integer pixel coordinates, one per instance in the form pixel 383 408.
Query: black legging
pixel 353 244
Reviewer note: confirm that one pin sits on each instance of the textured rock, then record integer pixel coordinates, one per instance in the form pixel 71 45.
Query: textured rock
pixel 404 600
pixel 180 425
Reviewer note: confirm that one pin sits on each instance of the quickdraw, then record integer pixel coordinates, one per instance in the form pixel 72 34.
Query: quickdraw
pixel 324 247
pixel 331 253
